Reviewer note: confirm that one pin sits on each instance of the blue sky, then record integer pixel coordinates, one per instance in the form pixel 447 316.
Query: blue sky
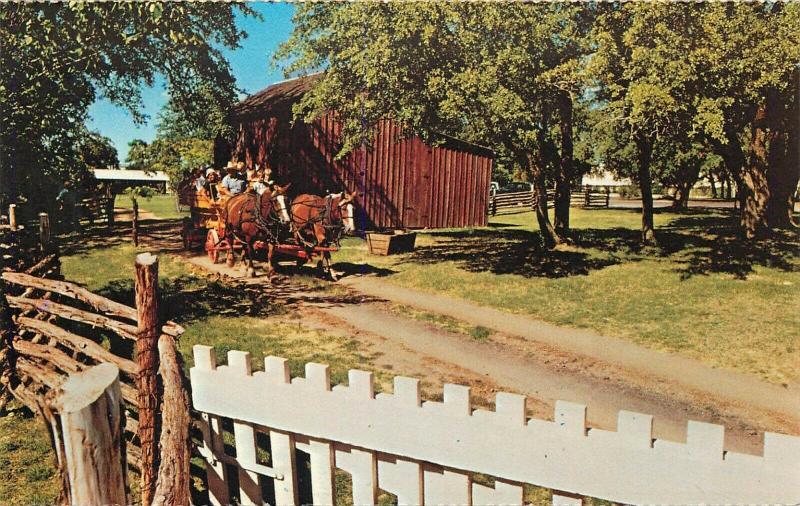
pixel 251 64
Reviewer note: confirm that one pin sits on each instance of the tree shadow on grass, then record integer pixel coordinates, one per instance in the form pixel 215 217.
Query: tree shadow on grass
pixel 517 252
pixel 699 242
pixel 715 245
pixel 189 298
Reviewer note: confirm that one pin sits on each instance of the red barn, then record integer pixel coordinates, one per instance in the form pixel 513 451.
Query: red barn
pixel 403 182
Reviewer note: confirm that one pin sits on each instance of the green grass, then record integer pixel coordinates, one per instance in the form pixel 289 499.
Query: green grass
pixel 162 206
pixel 701 292
pixel 27 472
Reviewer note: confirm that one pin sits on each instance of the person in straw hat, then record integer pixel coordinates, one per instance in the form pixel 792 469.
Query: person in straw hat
pixel 234 182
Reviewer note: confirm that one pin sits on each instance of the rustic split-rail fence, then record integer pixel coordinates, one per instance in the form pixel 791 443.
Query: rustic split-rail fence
pixel 52 329
pixel 266 437
pixel 524 200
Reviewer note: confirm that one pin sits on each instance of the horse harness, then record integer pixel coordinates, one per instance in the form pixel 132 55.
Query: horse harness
pixel 259 220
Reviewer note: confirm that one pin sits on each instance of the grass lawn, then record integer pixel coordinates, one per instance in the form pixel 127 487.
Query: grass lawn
pixel 701 292
pixel 27 471
pixel 162 206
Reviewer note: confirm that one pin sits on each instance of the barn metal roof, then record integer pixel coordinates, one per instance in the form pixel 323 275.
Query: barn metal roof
pixel 276 96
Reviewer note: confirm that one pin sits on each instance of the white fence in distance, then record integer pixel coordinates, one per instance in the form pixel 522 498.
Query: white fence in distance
pixel 427 452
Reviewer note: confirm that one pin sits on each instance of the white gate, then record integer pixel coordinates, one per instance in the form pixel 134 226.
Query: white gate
pixel 440 452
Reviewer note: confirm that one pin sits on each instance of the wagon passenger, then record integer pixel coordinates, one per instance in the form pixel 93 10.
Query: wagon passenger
pixel 199 182
pixel 212 179
pixel 257 182
pixel 234 183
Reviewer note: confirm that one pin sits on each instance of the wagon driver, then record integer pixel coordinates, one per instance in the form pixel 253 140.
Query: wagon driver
pixel 234 182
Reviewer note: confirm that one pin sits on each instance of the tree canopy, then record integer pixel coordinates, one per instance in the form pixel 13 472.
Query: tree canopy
pixel 58 58
pixel 650 90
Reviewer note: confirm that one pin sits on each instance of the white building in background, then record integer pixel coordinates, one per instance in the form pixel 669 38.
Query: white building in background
pixel 121 179
pixel 604 178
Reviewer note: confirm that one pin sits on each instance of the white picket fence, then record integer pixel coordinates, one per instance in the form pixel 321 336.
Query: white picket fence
pixel 429 452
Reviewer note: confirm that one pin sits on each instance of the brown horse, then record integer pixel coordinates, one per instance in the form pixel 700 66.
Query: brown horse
pixel 251 217
pixel 321 221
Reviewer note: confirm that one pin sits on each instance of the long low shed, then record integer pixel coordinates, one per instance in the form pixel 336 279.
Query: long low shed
pixel 402 181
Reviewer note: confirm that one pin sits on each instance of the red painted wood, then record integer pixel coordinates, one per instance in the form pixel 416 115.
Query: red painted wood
pixel 406 183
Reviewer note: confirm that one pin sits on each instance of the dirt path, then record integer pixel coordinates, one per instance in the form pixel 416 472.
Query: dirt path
pixel 731 386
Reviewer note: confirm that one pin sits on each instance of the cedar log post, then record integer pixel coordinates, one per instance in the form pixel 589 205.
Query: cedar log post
pixel 44 232
pixel 172 485
pixel 147 360
pixel 90 405
pixel 12 216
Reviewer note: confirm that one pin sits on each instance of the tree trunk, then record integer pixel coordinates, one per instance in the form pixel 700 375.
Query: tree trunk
pixel 754 179
pixel 549 234
pixel 784 164
pixel 688 176
pixel 713 184
pixel 147 360
pixel 644 155
pixel 565 169
pixel 733 156
pixel 681 199
pixel 91 412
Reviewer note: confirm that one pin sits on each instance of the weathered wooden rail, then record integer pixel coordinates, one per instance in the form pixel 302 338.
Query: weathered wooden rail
pixel 580 197
pixel 430 452
pixel 98 208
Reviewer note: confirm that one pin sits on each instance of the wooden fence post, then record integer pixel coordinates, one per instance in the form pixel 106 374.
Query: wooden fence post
pixel 135 223
pixel 92 431
pixel 110 211
pixel 44 232
pixel 12 216
pixel 147 360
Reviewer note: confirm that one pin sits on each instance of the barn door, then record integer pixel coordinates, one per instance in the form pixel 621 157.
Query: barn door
pixel 418 185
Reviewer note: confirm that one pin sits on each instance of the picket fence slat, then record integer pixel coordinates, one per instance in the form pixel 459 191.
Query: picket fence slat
pixel 426 452
pixel 442 486
pixel 215 469
pixel 502 493
pixel 363 470
pixel 402 478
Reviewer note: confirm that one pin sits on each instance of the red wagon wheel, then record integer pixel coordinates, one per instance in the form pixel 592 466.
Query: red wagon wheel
pixel 214 245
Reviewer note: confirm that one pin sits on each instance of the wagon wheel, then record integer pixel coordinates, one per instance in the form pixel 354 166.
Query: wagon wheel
pixel 213 245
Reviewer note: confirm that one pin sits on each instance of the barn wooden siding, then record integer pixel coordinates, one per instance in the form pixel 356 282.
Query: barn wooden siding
pixel 405 183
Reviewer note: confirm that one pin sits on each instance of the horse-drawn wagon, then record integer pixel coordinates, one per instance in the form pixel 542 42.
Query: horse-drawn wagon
pixel 266 224
pixel 205 224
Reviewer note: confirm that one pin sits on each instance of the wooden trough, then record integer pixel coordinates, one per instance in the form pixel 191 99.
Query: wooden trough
pixel 390 243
